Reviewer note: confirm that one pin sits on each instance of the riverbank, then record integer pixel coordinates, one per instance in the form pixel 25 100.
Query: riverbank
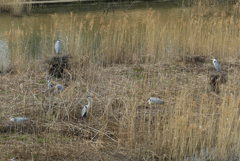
pixel 121 125
pixel 25 8
pixel 121 59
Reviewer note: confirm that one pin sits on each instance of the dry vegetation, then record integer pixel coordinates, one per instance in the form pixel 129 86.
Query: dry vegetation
pixel 15 7
pixel 121 59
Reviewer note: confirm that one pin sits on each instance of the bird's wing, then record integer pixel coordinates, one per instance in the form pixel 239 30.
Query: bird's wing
pixel 21 119
pixel 57 47
pixel 156 100
pixel 84 111
pixel 59 87
pixel 153 99
pixel 217 65
pixel 50 85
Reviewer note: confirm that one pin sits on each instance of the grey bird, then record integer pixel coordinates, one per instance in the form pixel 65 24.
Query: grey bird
pixel 155 100
pixel 50 85
pixel 216 65
pixel 59 88
pixel 58 47
pixel 13 159
pixel 56 89
pixel 18 119
pixel 86 107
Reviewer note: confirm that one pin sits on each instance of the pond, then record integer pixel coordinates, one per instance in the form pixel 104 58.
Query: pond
pixel 117 32
pixel 34 34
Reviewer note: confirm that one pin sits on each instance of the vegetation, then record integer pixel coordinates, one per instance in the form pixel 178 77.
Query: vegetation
pixel 121 59
pixel 15 7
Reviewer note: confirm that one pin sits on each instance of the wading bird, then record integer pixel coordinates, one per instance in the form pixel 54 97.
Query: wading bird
pixel 18 119
pixel 50 85
pixel 86 107
pixel 155 100
pixel 58 47
pixel 59 88
pixel 216 65
pixel 56 89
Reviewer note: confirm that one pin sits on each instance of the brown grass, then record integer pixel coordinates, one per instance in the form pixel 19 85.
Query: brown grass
pixel 122 59
pixel 15 7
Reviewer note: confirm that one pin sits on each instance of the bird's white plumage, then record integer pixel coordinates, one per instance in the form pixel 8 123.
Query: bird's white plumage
pixel 86 108
pixel 50 85
pixel 84 111
pixel 155 100
pixel 58 47
pixel 216 65
pixel 55 88
pixel 18 119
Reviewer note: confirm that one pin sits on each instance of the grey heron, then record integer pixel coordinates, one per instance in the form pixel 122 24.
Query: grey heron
pixel 155 100
pixel 86 107
pixel 216 65
pixel 50 85
pixel 58 47
pixel 18 119
pixel 59 88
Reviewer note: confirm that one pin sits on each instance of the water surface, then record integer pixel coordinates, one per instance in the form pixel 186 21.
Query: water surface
pixel 32 34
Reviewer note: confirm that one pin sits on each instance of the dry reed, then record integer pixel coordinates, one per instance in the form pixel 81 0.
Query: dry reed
pixel 122 59
pixel 15 7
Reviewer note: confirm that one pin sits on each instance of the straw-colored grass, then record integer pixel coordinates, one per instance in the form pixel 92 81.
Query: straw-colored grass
pixel 15 7
pixel 122 59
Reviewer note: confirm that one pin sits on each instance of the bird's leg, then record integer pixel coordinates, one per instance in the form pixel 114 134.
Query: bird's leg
pixel 149 120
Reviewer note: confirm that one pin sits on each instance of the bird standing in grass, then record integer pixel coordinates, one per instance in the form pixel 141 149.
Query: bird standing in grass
pixel 13 159
pixel 18 119
pixel 59 88
pixel 58 47
pixel 50 85
pixel 56 89
pixel 155 100
pixel 216 65
pixel 86 107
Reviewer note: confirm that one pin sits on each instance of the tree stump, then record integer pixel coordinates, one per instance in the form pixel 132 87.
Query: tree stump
pixel 216 79
pixel 57 65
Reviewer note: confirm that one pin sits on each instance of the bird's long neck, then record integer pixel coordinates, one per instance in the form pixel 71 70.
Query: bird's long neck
pixel 49 84
pixel 89 102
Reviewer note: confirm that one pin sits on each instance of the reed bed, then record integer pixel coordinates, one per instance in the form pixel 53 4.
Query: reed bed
pixel 15 7
pixel 121 59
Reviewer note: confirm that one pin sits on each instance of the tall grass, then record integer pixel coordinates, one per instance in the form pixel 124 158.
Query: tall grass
pixel 122 59
pixel 15 7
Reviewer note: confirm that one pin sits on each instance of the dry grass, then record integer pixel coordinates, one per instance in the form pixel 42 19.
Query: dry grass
pixel 15 7
pixel 122 59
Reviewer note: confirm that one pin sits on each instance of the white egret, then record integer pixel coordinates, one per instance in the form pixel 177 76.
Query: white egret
pixel 58 47
pixel 216 65
pixel 155 100
pixel 86 107
pixel 18 119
